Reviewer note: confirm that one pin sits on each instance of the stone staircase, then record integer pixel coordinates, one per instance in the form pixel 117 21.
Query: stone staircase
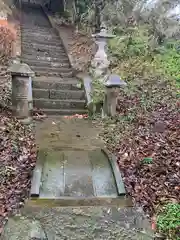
pixel 55 89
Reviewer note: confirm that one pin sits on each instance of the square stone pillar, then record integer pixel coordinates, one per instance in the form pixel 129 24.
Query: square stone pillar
pixel 21 91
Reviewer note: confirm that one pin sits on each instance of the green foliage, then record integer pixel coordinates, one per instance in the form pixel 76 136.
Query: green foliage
pixel 82 6
pixel 133 54
pixel 133 43
pixel 147 160
pixel 168 221
pixel 98 91
pixel 168 60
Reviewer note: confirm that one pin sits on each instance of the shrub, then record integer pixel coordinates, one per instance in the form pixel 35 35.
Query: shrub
pixel 168 220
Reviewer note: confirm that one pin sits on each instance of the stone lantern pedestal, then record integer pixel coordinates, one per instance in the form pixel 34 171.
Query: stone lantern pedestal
pixel 21 87
pixel 113 86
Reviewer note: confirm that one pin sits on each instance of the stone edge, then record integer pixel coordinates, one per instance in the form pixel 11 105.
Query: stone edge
pixel 86 79
pixel 122 201
pixel 36 180
pixel 117 174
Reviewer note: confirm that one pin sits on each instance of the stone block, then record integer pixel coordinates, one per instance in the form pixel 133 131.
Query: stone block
pixel 56 104
pixel 66 94
pixel 40 93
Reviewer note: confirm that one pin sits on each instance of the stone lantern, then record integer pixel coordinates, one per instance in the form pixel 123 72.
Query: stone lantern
pixel 100 62
pixel 21 91
pixel 113 85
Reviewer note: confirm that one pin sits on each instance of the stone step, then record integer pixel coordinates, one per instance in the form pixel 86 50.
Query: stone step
pixel 111 220
pixel 53 74
pixel 58 94
pixel 43 55
pixel 37 35
pixel 48 64
pixel 32 58
pixel 63 112
pixel 32 32
pixel 54 54
pixel 52 69
pixel 42 103
pixel 75 174
pixel 42 49
pixel 45 71
pixel 52 42
pixel 33 27
pixel 43 46
pixel 52 83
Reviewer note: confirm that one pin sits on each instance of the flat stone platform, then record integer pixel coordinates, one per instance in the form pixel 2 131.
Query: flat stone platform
pixel 71 163
pixel 78 223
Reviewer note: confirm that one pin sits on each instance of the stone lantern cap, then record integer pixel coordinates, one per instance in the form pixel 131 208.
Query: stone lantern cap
pixel 21 69
pixel 103 34
pixel 115 81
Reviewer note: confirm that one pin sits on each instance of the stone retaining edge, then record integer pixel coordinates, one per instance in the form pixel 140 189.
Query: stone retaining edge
pixel 117 174
pixel 36 180
pixel 86 79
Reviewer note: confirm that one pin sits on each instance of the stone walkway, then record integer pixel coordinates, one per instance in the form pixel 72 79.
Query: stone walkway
pixel 77 223
pixel 72 162
pixel 78 195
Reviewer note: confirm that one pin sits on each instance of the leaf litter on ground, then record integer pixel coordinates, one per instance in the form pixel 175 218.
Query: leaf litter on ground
pixel 17 160
pixel 145 137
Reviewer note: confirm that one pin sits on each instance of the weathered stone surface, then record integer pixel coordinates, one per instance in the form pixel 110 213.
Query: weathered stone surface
pixel 52 181
pixel 31 58
pixel 74 173
pixel 23 228
pixel 67 134
pixel 45 69
pixel 20 101
pixel 43 50
pixel 83 223
pixel 21 69
pixel 47 63
pixel 63 112
pixel 121 202
pixel 55 83
pixel 56 94
pixel 36 179
pixel 40 93
pixel 51 41
pixel 102 175
pixel 56 104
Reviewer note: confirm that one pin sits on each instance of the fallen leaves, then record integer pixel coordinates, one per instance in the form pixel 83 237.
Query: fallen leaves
pixel 79 116
pixel 161 177
pixel 17 160
pixel 145 136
